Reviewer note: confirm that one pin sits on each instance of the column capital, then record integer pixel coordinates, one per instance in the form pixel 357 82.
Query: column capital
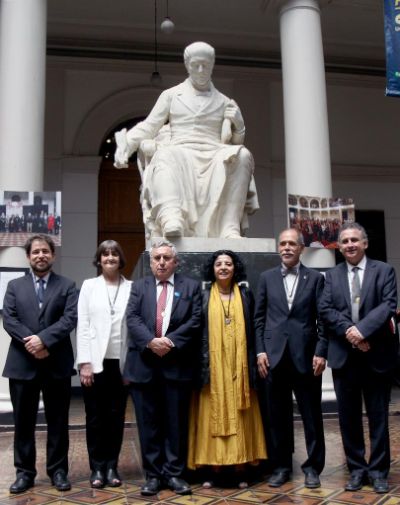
pixel 284 5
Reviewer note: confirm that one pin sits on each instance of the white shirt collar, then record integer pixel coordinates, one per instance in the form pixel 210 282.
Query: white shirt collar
pixel 36 278
pixel 361 265
pixel 170 280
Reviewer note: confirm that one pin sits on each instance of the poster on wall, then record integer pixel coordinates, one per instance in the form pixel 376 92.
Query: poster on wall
pixel 392 39
pixel 23 213
pixel 319 219
pixel 7 274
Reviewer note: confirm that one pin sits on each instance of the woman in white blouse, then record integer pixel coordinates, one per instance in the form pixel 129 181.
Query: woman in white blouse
pixel 101 340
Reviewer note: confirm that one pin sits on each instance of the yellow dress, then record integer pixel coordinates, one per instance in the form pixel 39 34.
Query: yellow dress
pixel 225 422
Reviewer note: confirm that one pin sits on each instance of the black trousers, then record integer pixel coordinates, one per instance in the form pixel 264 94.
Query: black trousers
pixel 353 383
pixel 162 410
pixel 278 387
pixel 25 400
pixel 105 404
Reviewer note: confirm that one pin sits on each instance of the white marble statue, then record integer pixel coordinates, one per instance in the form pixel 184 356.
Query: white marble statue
pixel 197 177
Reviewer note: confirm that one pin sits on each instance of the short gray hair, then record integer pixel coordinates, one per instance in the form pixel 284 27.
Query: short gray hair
pixel 163 243
pixel 300 238
pixel 353 225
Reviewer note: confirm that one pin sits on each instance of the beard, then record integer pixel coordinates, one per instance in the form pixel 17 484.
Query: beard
pixel 42 268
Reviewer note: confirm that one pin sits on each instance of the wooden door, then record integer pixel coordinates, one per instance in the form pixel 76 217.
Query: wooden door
pixel 119 211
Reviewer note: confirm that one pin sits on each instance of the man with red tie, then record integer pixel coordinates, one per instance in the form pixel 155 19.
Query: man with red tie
pixel 163 317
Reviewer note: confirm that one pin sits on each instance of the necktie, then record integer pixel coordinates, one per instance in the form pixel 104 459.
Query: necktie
pixel 355 295
pixel 40 291
pixel 161 303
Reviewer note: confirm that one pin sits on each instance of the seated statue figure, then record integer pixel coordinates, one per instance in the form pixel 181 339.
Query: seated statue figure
pixel 198 181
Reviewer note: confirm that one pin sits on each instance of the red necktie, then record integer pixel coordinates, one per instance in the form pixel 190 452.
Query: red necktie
pixel 161 303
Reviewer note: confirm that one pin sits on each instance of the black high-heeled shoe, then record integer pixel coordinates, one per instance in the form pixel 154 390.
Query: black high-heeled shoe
pixel 112 478
pixel 96 479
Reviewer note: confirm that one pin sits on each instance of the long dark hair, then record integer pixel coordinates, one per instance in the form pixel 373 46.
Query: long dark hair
pixel 239 272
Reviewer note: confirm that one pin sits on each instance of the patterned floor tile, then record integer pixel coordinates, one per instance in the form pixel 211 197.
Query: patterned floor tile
pixel 293 492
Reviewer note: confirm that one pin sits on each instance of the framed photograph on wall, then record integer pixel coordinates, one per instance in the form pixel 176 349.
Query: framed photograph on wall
pixel 23 213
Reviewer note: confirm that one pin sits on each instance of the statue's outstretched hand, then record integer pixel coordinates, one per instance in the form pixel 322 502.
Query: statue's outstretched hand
pixel 122 152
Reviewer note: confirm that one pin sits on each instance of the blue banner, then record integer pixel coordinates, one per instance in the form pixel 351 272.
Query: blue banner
pixel 392 36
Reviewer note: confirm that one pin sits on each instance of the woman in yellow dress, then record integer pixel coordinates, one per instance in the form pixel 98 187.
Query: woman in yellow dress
pixel 225 422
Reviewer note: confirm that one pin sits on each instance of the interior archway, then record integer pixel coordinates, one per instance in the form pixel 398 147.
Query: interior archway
pixel 119 210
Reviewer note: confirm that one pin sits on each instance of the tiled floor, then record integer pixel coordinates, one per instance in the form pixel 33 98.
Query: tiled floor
pixel 294 492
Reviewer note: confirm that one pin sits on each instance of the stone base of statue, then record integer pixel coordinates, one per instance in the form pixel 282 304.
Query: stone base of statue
pixel 201 244
pixel 258 254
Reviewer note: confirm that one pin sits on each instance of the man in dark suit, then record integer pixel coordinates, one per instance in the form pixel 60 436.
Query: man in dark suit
pixel 39 312
pixel 358 306
pixel 291 352
pixel 163 317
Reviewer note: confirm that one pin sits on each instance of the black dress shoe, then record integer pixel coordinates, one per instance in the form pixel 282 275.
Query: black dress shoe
pixel 97 479
pixel 278 478
pixel 112 478
pixel 380 485
pixel 179 486
pixel 311 479
pixel 21 485
pixel 355 482
pixel 150 487
pixel 60 481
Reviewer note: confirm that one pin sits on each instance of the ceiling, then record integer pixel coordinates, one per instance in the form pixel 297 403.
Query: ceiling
pixel 242 31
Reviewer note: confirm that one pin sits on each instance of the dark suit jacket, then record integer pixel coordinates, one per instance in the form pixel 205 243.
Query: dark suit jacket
pixel 377 305
pixel 248 311
pixel 300 327
pixel 142 364
pixel 53 323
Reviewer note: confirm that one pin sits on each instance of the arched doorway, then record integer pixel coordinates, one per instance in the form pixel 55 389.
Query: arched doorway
pixel 119 210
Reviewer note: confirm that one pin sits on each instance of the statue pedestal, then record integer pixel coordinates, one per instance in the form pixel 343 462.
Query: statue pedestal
pixel 257 254
pixel 238 245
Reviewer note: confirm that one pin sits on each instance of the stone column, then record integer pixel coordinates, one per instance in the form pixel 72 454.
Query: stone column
pixel 308 167
pixel 307 154
pixel 22 107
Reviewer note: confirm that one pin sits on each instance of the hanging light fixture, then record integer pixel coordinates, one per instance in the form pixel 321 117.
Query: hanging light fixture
pixel 155 76
pixel 167 26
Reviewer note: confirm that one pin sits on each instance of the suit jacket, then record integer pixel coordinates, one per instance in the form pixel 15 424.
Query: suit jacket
pixel 142 365
pixel 377 306
pixel 94 322
pixel 248 311
pixel 300 327
pixel 53 323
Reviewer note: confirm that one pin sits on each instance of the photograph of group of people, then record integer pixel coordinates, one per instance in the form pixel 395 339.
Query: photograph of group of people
pixel 211 371
pixel 26 212
pixel 319 219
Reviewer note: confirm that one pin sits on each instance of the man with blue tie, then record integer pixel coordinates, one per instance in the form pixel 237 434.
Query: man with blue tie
pixel 359 306
pixel 39 313
pixel 291 352
pixel 163 317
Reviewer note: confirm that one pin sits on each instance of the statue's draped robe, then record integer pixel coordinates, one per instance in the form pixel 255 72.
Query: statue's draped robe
pixel 195 171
